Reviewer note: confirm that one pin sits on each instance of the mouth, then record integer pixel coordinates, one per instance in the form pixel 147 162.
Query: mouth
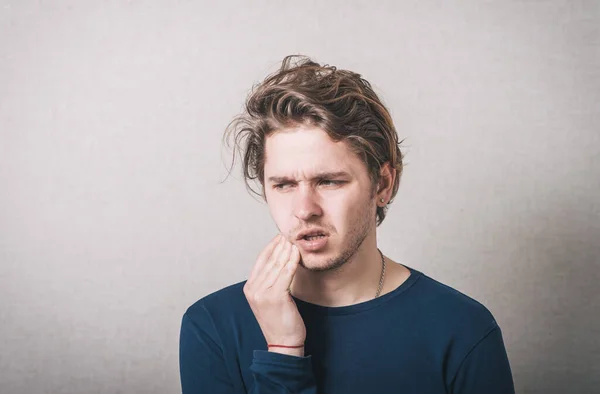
pixel 313 240
pixel 311 235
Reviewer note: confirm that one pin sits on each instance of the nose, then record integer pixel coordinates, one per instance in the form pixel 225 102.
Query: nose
pixel 306 203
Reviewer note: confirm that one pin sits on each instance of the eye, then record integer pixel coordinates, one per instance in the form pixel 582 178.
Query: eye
pixel 328 182
pixel 280 186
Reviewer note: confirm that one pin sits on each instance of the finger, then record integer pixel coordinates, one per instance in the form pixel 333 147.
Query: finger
pixel 264 256
pixel 265 268
pixel 277 262
pixel 284 281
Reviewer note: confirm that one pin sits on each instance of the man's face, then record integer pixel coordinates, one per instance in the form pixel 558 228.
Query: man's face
pixel 313 182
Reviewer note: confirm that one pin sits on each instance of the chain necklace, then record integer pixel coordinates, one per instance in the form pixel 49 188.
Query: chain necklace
pixel 380 287
pixel 382 274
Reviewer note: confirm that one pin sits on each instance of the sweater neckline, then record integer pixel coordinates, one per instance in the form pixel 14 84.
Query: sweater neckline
pixel 361 306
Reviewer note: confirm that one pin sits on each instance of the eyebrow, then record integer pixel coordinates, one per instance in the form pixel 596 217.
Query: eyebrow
pixel 320 175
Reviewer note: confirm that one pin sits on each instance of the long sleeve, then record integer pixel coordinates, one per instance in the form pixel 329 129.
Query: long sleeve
pixel 486 368
pixel 203 368
pixel 282 374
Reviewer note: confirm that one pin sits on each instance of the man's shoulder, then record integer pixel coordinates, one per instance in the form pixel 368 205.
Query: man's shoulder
pixel 228 300
pixel 458 311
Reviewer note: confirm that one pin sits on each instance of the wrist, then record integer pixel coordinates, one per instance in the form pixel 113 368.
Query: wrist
pixel 297 351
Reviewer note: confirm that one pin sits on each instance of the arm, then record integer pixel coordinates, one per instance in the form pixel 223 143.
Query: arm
pixel 203 369
pixel 276 373
pixel 485 369
pixel 279 369
pixel 201 363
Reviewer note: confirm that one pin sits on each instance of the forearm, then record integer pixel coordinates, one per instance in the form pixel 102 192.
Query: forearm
pixel 278 373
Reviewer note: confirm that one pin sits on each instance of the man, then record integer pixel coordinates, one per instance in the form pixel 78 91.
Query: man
pixel 324 311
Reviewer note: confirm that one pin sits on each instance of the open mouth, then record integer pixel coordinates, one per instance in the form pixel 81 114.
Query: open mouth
pixel 313 242
pixel 313 237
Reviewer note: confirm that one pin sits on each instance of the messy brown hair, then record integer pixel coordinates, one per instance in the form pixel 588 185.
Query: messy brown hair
pixel 339 102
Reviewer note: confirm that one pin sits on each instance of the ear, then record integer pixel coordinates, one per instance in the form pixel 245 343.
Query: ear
pixel 387 175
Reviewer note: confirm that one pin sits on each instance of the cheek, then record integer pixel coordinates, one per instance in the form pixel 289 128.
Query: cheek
pixel 356 212
pixel 343 213
pixel 280 214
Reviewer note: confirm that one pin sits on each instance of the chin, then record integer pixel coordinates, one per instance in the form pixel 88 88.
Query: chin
pixel 320 263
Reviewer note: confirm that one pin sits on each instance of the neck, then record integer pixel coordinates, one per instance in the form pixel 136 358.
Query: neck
pixel 354 282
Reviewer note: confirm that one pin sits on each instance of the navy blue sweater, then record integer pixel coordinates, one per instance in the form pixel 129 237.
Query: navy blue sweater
pixel 423 337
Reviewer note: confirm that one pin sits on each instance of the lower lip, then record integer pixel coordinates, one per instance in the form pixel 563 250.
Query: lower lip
pixel 312 245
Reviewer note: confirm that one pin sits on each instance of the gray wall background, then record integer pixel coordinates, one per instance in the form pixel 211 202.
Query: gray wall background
pixel 113 219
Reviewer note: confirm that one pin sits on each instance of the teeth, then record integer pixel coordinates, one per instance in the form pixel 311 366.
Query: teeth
pixel 313 237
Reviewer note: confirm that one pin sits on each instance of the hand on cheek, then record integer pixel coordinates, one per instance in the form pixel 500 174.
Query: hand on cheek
pixel 267 292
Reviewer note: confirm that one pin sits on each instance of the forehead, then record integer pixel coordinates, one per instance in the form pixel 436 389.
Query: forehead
pixel 304 151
